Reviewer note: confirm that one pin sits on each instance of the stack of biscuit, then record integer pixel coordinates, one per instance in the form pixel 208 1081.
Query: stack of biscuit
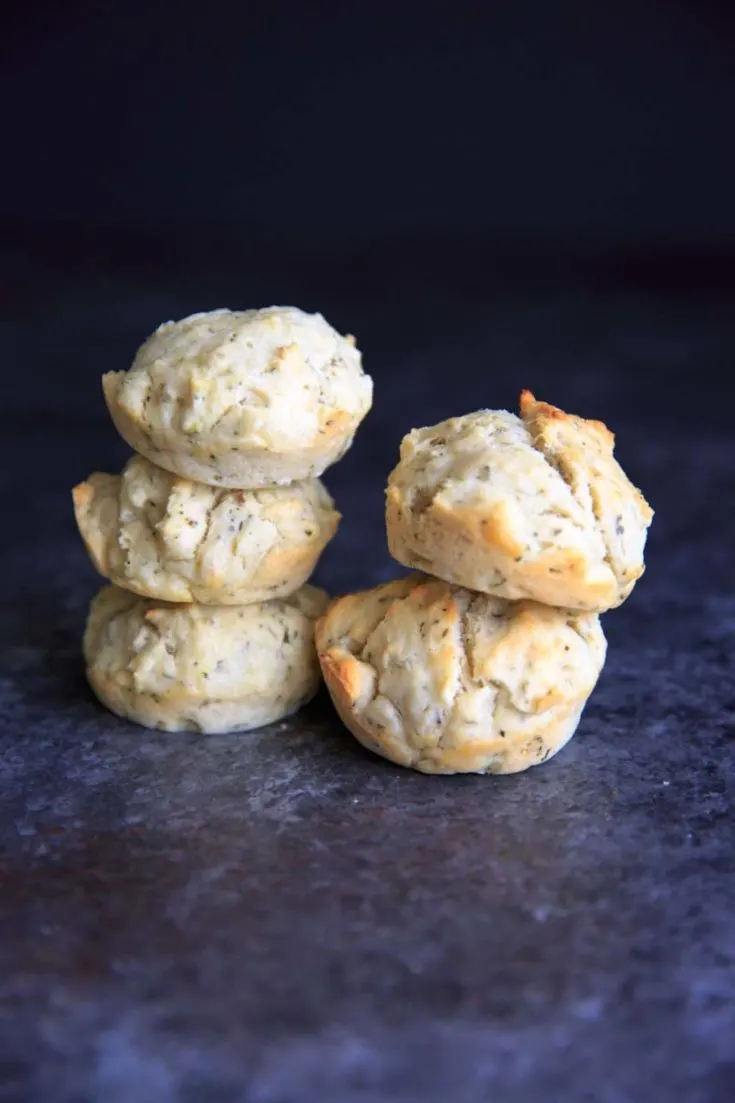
pixel 525 529
pixel 212 529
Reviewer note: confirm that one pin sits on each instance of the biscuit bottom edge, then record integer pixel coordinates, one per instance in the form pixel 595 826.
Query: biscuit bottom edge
pixel 214 718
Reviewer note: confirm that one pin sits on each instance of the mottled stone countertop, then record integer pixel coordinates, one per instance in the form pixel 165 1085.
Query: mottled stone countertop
pixel 280 917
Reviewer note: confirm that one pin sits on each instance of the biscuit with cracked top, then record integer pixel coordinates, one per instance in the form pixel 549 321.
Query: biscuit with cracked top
pixel 534 507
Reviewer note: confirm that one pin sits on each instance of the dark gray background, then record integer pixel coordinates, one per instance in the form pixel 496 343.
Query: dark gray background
pixel 539 195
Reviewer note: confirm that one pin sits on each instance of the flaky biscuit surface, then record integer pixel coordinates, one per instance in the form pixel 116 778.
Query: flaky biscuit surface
pixel 445 680
pixel 242 398
pixel 204 668
pixel 166 537
pixel 533 507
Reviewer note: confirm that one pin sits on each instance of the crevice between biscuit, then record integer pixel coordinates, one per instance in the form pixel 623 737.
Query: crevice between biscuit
pixel 558 465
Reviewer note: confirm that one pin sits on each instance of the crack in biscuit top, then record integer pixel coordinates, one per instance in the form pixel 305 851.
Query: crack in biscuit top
pixel 487 461
pixel 533 506
pixel 581 451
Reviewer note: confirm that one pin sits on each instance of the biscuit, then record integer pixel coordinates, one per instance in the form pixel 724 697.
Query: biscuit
pixel 168 538
pixel 532 507
pixel 203 668
pixel 444 680
pixel 242 398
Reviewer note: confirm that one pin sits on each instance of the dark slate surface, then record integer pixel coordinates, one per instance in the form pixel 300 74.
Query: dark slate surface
pixel 281 918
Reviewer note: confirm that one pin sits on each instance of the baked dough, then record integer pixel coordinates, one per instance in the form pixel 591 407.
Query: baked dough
pixel 447 681
pixel 531 507
pixel 169 538
pixel 204 668
pixel 242 398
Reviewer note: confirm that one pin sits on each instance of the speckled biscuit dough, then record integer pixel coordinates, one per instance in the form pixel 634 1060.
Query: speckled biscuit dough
pixel 203 668
pixel 534 506
pixel 242 398
pixel 169 538
pixel 446 681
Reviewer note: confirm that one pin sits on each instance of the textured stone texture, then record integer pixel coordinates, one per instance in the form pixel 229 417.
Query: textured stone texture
pixel 280 917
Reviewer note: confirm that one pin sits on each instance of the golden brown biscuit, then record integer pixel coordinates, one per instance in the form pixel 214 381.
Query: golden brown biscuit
pixel 242 398
pixel 204 668
pixel 447 681
pixel 168 538
pixel 531 507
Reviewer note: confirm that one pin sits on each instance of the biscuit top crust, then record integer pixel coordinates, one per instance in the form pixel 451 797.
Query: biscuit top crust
pixel 275 378
pixel 582 452
pixel 544 487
